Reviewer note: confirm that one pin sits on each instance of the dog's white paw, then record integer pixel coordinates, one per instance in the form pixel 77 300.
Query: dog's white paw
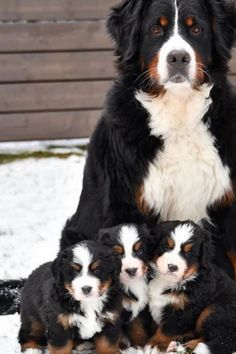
pixel 202 348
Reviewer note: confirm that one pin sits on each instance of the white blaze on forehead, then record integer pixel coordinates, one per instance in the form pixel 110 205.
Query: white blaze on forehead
pixel 175 42
pixel 180 235
pixel 128 237
pixel 82 256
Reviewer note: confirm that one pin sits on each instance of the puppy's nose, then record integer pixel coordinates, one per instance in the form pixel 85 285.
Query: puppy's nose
pixel 172 268
pixel 86 289
pixel 131 271
pixel 178 58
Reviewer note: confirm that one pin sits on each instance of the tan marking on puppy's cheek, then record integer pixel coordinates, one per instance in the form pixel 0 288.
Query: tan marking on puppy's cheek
pixel 66 349
pixel 152 68
pixel 104 286
pixel 200 70
pixel 104 346
pixel 207 312
pixel 190 271
pixel 69 288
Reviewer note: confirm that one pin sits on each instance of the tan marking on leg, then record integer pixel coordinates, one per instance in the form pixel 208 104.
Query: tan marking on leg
pixel 103 346
pixel 161 341
pixel 232 258
pixel 67 349
pixel 137 334
pixel 202 318
pixel 104 286
pixel 193 269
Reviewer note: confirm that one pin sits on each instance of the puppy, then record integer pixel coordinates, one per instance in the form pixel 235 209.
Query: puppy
pixel 77 297
pixel 190 297
pixel 128 241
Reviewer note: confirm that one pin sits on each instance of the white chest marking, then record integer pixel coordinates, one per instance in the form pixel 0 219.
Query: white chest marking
pixel 158 300
pixel 139 288
pixel 188 175
pixel 90 323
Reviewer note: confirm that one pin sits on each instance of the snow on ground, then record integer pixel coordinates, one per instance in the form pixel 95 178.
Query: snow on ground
pixel 37 196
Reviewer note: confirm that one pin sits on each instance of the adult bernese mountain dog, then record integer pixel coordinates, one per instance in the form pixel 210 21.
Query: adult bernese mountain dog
pixel 76 297
pixel 190 297
pixel 165 147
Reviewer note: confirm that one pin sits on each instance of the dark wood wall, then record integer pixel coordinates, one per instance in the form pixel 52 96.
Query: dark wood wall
pixel 56 65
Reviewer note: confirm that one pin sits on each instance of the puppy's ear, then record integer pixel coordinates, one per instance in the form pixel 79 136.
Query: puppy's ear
pixel 207 250
pixel 105 237
pixel 124 25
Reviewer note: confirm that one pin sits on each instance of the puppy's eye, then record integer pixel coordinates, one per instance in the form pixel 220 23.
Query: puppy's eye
pixel 157 30
pixel 196 29
pixel 139 252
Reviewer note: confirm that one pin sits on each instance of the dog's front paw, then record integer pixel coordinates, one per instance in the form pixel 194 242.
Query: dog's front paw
pixel 151 349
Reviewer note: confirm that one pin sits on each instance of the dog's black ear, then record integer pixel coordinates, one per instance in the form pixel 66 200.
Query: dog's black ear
pixel 105 236
pixel 207 250
pixel 224 26
pixel 124 27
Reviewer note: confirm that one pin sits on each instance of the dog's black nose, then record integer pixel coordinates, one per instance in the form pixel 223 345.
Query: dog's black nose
pixel 172 268
pixel 178 58
pixel 86 289
pixel 131 271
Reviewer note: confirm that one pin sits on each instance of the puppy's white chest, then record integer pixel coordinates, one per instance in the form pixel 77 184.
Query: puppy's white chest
pixel 140 289
pixel 187 176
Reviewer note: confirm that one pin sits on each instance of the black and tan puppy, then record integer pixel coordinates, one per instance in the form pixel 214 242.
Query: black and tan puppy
pixel 77 297
pixel 129 242
pixel 190 296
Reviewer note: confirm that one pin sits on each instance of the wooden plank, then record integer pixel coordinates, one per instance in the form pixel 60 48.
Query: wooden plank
pixel 32 37
pixel 233 62
pixel 48 125
pixel 56 66
pixel 52 96
pixel 20 10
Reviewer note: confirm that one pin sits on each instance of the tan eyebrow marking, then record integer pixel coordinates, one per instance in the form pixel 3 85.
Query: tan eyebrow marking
pixel 189 21
pixel 187 248
pixel 171 242
pixel 164 21
pixel 137 246
pixel 77 267
pixel 95 265
pixel 118 249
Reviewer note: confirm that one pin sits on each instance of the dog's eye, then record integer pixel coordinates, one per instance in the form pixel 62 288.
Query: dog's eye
pixel 139 252
pixel 196 29
pixel 157 30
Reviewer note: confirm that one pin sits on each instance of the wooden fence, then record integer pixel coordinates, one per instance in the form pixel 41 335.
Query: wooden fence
pixel 56 65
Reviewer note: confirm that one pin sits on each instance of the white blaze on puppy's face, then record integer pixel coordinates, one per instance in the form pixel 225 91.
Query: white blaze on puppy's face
pixel 173 257
pixel 84 279
pixel 128 238
pixel 176 43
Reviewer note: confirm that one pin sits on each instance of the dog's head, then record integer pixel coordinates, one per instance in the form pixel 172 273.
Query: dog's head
pixel 128 242
pixel 86 271
pixel 170 43
pixel 180 250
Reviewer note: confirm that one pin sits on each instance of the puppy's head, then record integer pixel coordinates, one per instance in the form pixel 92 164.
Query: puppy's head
pixel 128 242
pixel 173 43
pixel 181 250
pixel 86 271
